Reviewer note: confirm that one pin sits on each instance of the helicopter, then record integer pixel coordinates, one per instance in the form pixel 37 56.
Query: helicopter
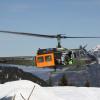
pixel 59 56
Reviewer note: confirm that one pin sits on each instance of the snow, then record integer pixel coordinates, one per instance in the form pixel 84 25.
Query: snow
pixel 97 48
pixel 77 93
pixel 23 89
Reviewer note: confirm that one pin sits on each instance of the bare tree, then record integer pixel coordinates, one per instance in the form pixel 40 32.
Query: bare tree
pixel 29 94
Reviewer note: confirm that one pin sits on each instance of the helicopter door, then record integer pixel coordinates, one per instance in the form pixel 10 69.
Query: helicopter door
pixel 45 60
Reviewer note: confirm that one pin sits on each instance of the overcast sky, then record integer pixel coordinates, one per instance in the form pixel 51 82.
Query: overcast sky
pixel 70 17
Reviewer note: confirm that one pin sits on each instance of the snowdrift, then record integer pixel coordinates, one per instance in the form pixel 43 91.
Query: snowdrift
pixel 27 90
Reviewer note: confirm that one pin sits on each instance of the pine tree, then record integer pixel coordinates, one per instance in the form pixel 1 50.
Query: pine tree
pixel 50 81
pixel 63 81
pixel 87 84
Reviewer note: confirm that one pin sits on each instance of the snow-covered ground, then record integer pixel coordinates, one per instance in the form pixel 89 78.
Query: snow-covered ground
pixel 23 89
pixel 27 90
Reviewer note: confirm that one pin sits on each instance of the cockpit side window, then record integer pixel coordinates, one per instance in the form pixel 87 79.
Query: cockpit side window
pixel 48 58
pixel 40 59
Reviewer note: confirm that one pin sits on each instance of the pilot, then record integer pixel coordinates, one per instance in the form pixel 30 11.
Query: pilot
pixel 68 58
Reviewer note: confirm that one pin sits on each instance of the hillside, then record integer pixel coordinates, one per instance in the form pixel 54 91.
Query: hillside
pixel 9 73
pixel 79 76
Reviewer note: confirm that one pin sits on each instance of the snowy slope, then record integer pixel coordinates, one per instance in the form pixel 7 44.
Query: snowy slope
pixel 76 93
pixel 24 88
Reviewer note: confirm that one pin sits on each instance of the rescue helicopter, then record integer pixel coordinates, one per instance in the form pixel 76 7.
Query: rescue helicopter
pixel 59 56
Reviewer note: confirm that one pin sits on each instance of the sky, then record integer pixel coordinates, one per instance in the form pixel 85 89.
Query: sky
pixel 69 17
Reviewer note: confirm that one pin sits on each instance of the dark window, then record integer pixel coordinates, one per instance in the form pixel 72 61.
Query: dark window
pixel 48 58
pixel 40 59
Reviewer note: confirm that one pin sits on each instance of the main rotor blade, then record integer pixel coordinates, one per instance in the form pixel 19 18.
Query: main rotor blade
pixel 81 37
pixel 42 35
pixel 30 34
